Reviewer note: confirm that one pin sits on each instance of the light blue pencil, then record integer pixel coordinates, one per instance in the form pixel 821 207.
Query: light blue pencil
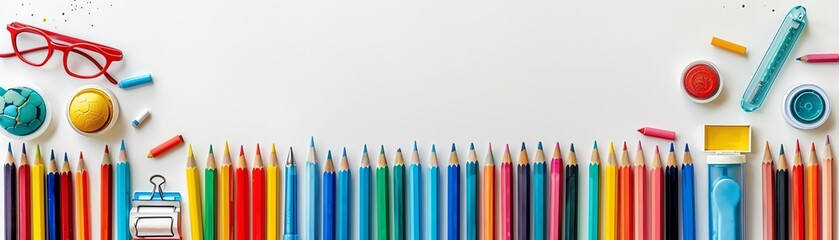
pixel 312 195
pixel 472 194
pixel 453 203
pixel 416 214
pixel 364 178
pixel 539 201
pixel 123 195
pixel 290 229
pixel 433 196
pixel 343 201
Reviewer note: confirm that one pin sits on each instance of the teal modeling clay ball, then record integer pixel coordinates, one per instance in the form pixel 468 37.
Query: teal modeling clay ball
pixel 24 111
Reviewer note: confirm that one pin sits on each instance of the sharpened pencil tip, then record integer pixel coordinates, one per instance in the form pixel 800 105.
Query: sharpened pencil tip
pixel 828 140
pixel 273 148
pixel 611 147
pixel 344 153
pixel 65 157
pixel 329 155
pixel 106 149
pixel 471 146
pixel 797 146
pixel 507 148
pixel 211 148
pixel 523 147
pixel 687 149
pixel 798 58
pixel 624 145
pixel 10 147
pixel 365 149
pixel 433 148
pixel 399 150
pixel 189 151
pixel 656 149
pixel 312 142
pixel 539 146
pixel 382 149
pixel 782 149
pixel 52 154
pixel 241 150
pixel 672 147
pixel 572 147
pixel 490 147
pixel 122 145
pixel 81 155
pixel 812 146
pixel 415 146
pixel 595 144
pixel 453 148
pixel 258 152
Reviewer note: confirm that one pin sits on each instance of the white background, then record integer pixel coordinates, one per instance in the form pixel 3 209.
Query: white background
pixel 381 72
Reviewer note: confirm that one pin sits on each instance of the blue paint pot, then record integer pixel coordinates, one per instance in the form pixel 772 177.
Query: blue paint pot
pixel 806 106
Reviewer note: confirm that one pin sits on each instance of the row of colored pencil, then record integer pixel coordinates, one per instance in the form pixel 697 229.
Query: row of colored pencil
pixel 796 206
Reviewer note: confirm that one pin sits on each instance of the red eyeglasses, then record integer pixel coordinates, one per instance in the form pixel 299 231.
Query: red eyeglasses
pixel 82 59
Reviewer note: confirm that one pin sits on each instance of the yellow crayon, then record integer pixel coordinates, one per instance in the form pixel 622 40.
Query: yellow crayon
pixel 730 46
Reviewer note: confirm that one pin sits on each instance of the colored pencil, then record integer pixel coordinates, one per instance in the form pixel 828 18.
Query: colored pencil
pixel 639 187
pixel 382 197
pixel 123 194
pixel 416 194
pixel 210 196
pixel 557 198
pixel 453 194
pixel 782 222
pixel 828 193
pixel 82 201
pixel 24 200
pixel 671 196
pixel 688 197
pixel 433 196
pixel 106 199
pixel 53 210
pixel 258 197
pixel 656 198
pixel 225 196
pixel 343 198
pixel 506 195
pixel 38 178
pixel 523 193
pixel 290 221
pixel 797 200
pixel 610 195
pixel 65 189
pixel 819 58
pixel 10 196
pixel 768 172
pixel 312 172
pixel 472 194
pixel 194 194
pixel 398 191
pixel 625 197
pixel 812 204
pixel 272 196
pixel 241 222
pixel 488 197
pixel 539 200
pixel 364 194
pixel 328 198
pixel 165 147
pixel 594 195
pixel 571 196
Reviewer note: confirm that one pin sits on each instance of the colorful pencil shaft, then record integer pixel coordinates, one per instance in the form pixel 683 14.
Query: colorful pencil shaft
pixel 65 188
pixel 416 195
pixel 594 195
pixel 210 196
pixel 39 228
pixel 768 173
pixel 10 196
pixel 123 195
pixel 556 205
pixel 472 195
pixel 625 198
pixel 797 200
pixel 82 201
pixel 688 197
pixel 194 193
pixel 241 222
pixel 166 146
pixel 507 195
pixel 328 198
pixel 290 208
pixel 343 199
pixel 671 197
pixel 782 222
pixel 433 197
pixel 453 197
pixel 24 198
pixel 819 58
pixel 656 198
pixel 272 196
pixel 523 196
pixel 53 210
pixel 828 193
pixel 382 198
pixel 812 204
pixel 610 196
pixel 488 197
pixel 539 199
pixel 106 196
pixel 639 187
pixel 399 196
pixel 312 173
pixel 225 196
pixel 571 196
pixel 258 197
pixel 364 194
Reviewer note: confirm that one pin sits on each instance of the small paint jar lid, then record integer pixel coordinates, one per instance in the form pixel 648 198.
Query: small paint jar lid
pixel 806 107
pixel 25 113
pixel 92 110
pixel 701 81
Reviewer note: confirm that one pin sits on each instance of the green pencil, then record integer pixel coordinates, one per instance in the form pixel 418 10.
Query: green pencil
pixel 210 196
pixel 382 202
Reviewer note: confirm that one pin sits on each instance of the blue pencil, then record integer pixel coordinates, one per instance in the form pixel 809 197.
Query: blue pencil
pixel 453 191
pixel 53 223
pixel 123 195
pixel 398 196
pixel 416 214
pixel 472 194
pixel 290 228
pixel 539 201
pixel 364 178
pixel 329 198
pixel 343 202
pixel 688 198
pixel 312 196
pixel 433 196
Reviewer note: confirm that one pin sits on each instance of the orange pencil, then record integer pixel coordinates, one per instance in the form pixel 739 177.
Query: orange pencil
pixel 106 205
pixel 82 201
pixel 625 196
pixel 797 200
pixel 241 210
pixel 639 176
pixel 258 197
pixel 828 192
pixel 812 196
pixel 488 197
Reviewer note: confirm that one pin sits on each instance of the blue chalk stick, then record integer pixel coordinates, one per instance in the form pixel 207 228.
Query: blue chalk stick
pixel 135 81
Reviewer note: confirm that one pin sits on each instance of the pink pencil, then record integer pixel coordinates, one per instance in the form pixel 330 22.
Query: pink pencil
pixel 819 58
pixel 768 169
pixel 639 177
pixel 555 231
pixel 507 195
pixel 657 195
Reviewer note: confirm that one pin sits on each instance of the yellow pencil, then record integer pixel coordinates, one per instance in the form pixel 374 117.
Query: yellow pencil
pixel 194 191
pixel 224 197
pixel 610 196
pixel 273 192
pixel 39 230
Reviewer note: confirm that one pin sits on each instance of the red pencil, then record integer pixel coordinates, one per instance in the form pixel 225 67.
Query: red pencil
pixel 258 197
pixel 24 199
pixel 106 205
pixel 65 191
pixel 625 196
pixel 797 196
pixel 240 223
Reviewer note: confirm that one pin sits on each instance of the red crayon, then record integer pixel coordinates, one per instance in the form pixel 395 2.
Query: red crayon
pixel 166 146
pixel 659 133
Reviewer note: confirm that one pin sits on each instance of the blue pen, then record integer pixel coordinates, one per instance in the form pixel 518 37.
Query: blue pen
pixel 328 198
pixel 453 191
pixel 123 195
pixel 364 178
pixel 312 197
pixel 416 213
pixel 688 198
pixel 343 201
pixel 290 228
pixel 433 196
pixel 472 194
pixel 539 200
pixel 53 223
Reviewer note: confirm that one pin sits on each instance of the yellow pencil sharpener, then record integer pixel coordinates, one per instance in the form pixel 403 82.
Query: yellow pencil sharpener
pixel 92 110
